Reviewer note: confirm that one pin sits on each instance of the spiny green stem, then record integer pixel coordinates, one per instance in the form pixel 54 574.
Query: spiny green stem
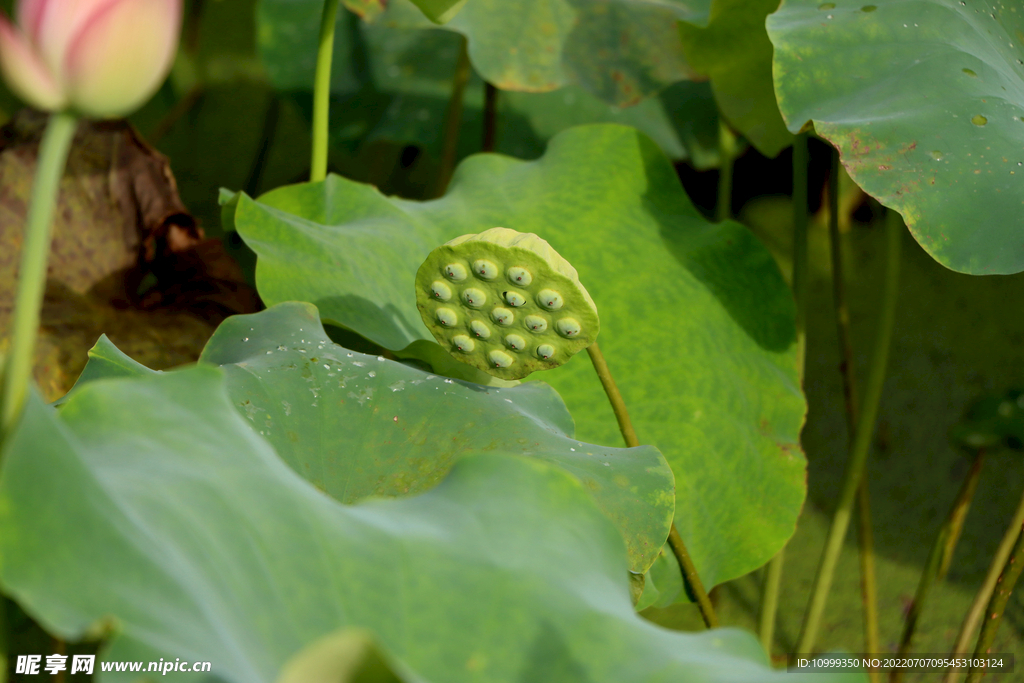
pixel 847 368
pixel 490 118
pixel 977 609
pixel 690 577
pixel 35 252
pixel 322 91
pixel 453 120
pixel 861 443
pixel 997 605
pixel 773 575
pixel 939 558
pixel 726 148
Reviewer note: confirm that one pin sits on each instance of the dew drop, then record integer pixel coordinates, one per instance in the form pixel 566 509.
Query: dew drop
pixel 969 72
pixel 868 8
pixel 827 5
pixel 937 155
pixel 979 120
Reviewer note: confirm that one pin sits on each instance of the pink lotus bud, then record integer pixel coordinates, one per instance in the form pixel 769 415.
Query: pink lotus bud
pixel 102 58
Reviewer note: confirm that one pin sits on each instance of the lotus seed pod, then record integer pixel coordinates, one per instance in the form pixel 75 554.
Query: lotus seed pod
pixel 440 290
pixel 480 330
pixel 518 281
pixel 484 269
pixel 515 342
pixel 463 343
pixel 519 276
pixel 549 299
pixel 502 316
pixel 473 297
pixel 456 272
pixel 536 324
pixel 514 299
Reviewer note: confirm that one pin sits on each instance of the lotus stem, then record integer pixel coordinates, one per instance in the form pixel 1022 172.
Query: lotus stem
pixel 726 148
pixel 322 91
pixel 691 579
pixel 35 252
pixel 997 605
pixel 453 119
pixel 977 609
pixel 490 118
pixel 861 442
pixel 940 556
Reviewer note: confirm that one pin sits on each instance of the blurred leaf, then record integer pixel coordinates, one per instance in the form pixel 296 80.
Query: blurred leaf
pixel 214 550
pixel 346 656
pixel 697 322
pixel 394 84
pixel 735 52
pixel 923 101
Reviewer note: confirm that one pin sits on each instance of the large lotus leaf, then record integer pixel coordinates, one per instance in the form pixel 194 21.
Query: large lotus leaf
pixel 394 84
pixel 619 50
pixel 696 321
pixel 735 52
pixel 150 505
pixel 924 100
pixel 358 426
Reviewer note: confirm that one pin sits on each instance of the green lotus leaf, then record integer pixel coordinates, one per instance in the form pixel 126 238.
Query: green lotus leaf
pixel 734 51
pixel 505 302
pixel 358 426
pixel 213 550
pixel 923 99
pixel 696 320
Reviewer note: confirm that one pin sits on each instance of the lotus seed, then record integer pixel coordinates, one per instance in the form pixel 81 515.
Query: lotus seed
pixel 484 269
pixel 473 297
pixel 519 276
pixel 500 359
pixel 545 351
pixel 568 327
pixel 515 342
pixel 446 317
pixel 549 299
pixel 440 290
pixel 537 324
pixel 463 343
pixel 480 330
pixel 455 272
pixel 514 299
pixel 502 316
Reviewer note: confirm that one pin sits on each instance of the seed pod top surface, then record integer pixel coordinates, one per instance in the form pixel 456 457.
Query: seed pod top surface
pixel 505 302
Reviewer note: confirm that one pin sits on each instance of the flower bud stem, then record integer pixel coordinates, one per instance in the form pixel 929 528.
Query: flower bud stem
pixel 694 586
pixel 322 91
pixel 35 252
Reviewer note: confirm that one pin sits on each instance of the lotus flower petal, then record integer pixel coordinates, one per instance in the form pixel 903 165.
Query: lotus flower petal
pixel 120 54
pixel 26 74
pixel 52 24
